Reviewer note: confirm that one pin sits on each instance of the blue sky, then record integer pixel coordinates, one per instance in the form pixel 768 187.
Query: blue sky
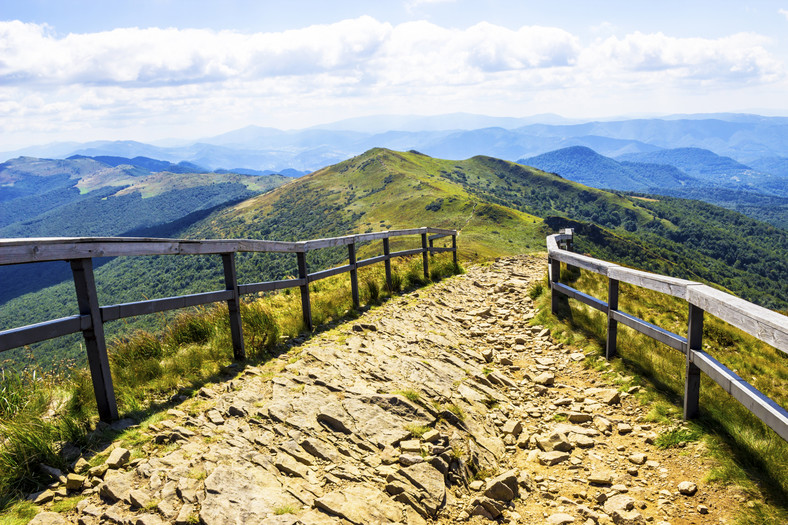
pixel 151 69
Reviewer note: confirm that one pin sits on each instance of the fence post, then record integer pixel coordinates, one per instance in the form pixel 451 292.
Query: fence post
pixel 387 263
pixel 351 253
pixel 431 246
pixel 692 378
pixel 95 343
pixel 234 306
pixel 306 307
pixel 425 257
pixel 612 324
pixel 555 276
pixel 454 248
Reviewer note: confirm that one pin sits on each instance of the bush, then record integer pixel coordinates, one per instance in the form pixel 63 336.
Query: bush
pixel 188 328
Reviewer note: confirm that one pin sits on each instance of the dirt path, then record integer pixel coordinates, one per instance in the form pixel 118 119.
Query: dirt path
pixel 511 426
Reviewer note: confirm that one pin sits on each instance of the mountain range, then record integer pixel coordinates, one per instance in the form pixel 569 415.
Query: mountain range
pixel 499 206
pixel 754 140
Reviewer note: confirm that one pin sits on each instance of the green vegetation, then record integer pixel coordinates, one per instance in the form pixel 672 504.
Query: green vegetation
pixel 750 454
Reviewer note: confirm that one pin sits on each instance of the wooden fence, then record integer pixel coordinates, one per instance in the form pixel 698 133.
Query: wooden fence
pixel 79 252
pixel 766 325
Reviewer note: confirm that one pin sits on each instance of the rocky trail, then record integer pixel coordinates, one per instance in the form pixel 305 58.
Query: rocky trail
pixel 442 406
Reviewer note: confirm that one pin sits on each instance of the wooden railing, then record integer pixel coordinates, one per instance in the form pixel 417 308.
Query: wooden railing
pixel 92 316
pixel 766 325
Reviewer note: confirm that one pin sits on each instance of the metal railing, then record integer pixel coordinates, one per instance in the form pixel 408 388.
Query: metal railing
pixel 766 325
pixel 80 251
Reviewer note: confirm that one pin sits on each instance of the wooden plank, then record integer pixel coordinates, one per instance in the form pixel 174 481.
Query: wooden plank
pixel 425 258
pixel 441 231
pixel 234 306
pixel 652 281
pixel 410 231
pixel 692 372
pixel 269 286
pixel 768 411
pixel 583 261
pixel 152 306
pixel 330 242
pixel 95 343
pixel 376 236
pixel 371 260
pixel 454 250
pixel 768 326
pixel 303 275
pixel 439 236
pixel 351 255
pixel 570 292
pixel 405 253
pixel 651 330
pixel 387 255
pixel 441 250
pixel 34 333
pixel 323 274
pixel 612 324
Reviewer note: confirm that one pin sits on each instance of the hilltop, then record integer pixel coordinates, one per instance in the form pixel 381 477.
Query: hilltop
pixel 499 207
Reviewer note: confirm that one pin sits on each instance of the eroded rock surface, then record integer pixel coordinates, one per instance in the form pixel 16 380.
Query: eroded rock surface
pixel 444 406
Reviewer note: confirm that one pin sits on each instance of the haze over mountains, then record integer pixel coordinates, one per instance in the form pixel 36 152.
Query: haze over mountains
pixel 749 139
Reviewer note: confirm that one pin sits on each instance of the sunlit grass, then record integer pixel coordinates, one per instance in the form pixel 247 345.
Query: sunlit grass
pixel 754 456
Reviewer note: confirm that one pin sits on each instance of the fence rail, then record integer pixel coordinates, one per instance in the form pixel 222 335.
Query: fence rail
pixel 766 325
pixel 79 252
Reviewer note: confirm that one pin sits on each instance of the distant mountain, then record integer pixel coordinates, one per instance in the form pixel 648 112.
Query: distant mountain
pixel 742 138
pixel 84 196
pixel 501 208
pixel 588 167
pixel 775 165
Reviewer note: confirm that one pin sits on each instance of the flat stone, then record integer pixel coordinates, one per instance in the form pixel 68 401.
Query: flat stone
pixel 431 436
pixel 637 458
pixel 560 519
pixel 74 481
pixel 117 458
pixel 138 498
pixel 242 493
pixel 545 378
pixel 288 465
pixel 600 478
pixel 552 458
pixel 361 505
pixel 117 488
pixel 602 424
pixel 148 519
pixel 579 417
pixel 553 441
pixel 619 502
pixel 214 417
pixel 47 518
pixel 320 449
pixel 624 428
pixel 476 485
pixel 513 427
pixel 503 487
pixel 688 488
pixel 627 517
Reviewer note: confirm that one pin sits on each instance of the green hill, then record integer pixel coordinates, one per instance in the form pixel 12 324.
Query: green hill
pixel 499 207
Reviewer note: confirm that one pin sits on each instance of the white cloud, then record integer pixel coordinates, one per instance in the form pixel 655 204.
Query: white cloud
pixel 783 12
pixel 158 79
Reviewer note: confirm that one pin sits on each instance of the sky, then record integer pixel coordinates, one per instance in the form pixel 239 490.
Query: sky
pixel 149 70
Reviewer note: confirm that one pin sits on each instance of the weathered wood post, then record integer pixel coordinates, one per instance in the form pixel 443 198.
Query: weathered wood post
pixel 351 252
pixel 454 250
pixel 425 257
pixel 95 343
pixel 612 324
pixel 234 306
pixel 692 378
pixel 555 276
pixel 431 246
pixel 387 263
pixel 303 274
